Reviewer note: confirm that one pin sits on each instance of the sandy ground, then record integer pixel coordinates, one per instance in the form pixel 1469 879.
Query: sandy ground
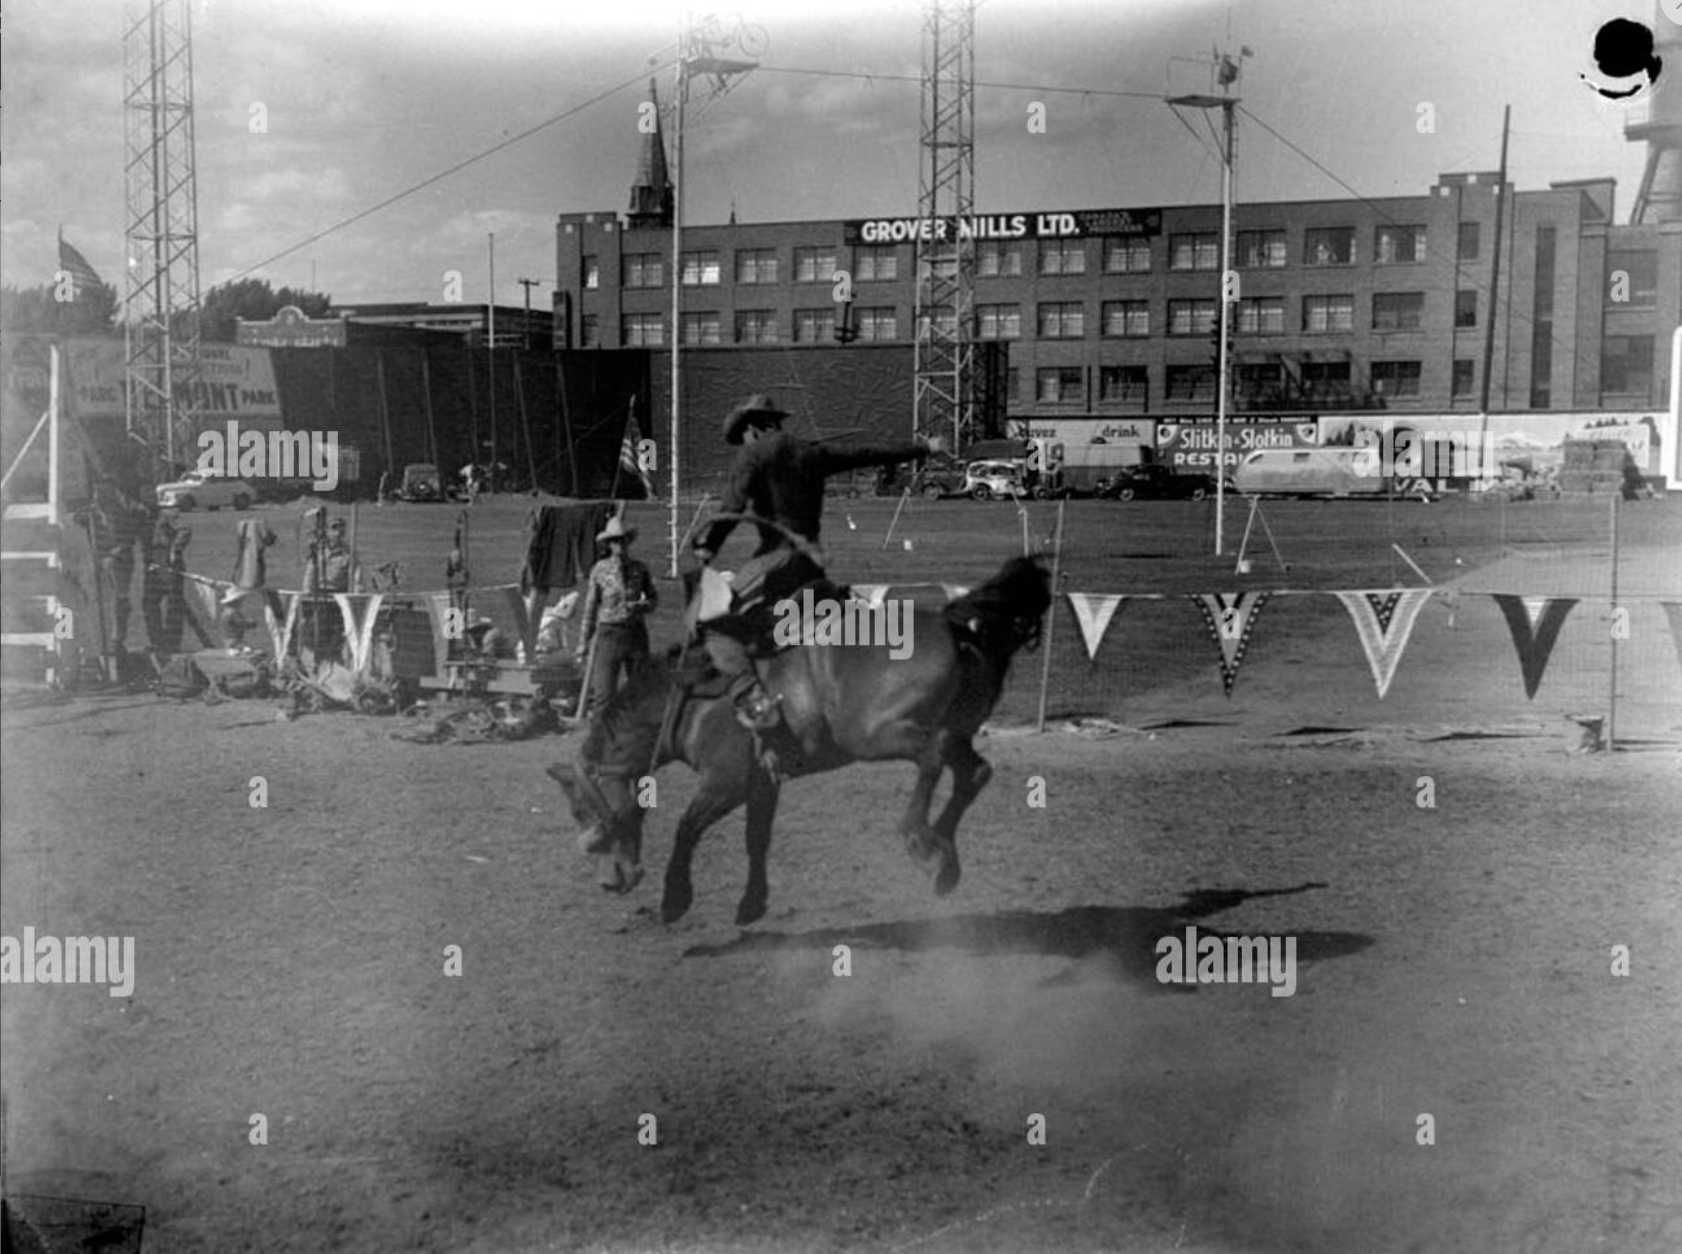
pixel 1453 962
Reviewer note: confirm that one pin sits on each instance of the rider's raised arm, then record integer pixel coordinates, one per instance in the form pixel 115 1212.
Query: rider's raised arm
pixel 839 460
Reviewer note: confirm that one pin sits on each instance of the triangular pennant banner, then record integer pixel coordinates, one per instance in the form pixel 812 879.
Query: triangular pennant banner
pixel 870 593
pixel 359 611
pixel 280 616
pixel 207 605
pixel 1535 624
pixel 520 609
pixel 1093 612
pixel 1673 611
pixel 1384 621
pixel 954 590
pixel 1231 617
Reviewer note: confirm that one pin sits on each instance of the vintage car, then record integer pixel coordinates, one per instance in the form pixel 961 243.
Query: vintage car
pixel 938 477
pixel 1154 481
pixel 989 479
pixel 197 490
pixel 421 482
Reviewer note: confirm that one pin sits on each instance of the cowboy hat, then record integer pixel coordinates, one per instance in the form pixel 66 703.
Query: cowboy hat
pixel 757 406
pixel 616 530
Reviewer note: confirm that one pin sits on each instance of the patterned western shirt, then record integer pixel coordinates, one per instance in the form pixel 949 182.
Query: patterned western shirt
pixel 613 590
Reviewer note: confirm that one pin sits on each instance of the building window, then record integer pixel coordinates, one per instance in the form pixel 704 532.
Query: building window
pixel 1062 320
pixel 589 331
pixel 1393 245
pixel 1461 384
pixel 1189 383
pixel 1329 246
pixel 1395 378
pixel 1465 309
pixel 700 269
pixel 1063 256
pixel 1637 286
pixel 1328 313
pixel 1124 385
pixel 998 322
pixel 1260 384
pixel 1325 380
pixel 756 326
pixel 644 270
pixel 1261 250
pixel 1626 365
pixel 872 262
pixel 1127 317
pixel 756 265
pixel 1398 311
pixel 1471 236
pixel 701 328
pixel 814 325
pixel 998 259
pixel 1201 251
pixel 1013 384
pixel 1060 385
pixel 945 322
pixel 1127 256
pixel 814 265
pixel 878 324
pixel 1191 317
pixel 1261 315
pixel 644 330
pixel 592 273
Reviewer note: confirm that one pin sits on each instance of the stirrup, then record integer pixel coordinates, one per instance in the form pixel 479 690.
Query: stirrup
pixel 756 708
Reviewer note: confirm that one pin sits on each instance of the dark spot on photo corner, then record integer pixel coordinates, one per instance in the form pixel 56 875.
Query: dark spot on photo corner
pixel 1623 48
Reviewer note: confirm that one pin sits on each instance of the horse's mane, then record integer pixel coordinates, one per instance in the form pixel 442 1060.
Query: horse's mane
pixel 1005 612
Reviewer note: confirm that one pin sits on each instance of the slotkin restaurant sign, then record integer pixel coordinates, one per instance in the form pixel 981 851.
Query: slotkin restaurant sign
pixel 1065 224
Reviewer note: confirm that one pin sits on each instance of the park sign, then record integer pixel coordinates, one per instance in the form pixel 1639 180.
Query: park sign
pixel 234 382
pixel 1064 224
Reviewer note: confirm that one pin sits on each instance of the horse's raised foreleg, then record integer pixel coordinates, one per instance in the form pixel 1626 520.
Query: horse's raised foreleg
pixel 762 812
pixel 713 802
pixel 929 848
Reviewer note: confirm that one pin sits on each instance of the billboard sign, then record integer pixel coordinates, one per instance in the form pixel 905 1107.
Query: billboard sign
pixel 235 382
pixel 1064 224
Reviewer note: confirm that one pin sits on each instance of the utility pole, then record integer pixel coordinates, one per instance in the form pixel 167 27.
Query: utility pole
pixel 1494 283
pixel 1226 102
pixel 525 327
pixel 490 356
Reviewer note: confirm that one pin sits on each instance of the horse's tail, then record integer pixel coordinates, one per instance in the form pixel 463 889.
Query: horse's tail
pixel 1005 613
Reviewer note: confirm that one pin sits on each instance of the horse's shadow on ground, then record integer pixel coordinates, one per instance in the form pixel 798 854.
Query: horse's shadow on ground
pixel 1126 936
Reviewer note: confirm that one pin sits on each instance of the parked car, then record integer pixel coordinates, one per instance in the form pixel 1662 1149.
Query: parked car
pixel 421 482
pixel 195 490
pixel 940 477
pixel 989 479
pixel 1154 481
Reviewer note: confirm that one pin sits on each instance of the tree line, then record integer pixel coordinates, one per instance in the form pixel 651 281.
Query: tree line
pixel 96 309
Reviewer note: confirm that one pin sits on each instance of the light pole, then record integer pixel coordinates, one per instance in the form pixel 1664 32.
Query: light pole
pixel 1226 103
pixel 688 61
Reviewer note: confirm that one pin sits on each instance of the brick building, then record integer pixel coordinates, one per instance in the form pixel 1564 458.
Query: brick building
pixel 1345 305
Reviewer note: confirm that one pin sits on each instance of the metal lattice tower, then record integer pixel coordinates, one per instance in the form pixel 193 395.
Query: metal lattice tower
pixel 161 304
pixel 943 400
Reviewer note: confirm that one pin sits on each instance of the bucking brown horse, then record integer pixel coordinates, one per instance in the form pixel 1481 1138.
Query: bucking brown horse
pixel 844 703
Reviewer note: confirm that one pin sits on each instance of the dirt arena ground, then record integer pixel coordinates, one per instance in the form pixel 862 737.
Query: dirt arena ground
pixel 1454 962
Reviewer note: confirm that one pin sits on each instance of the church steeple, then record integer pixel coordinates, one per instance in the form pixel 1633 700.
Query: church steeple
pixel 651 194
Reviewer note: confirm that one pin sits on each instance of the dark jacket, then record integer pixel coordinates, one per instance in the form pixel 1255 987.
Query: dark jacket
pixel 781 477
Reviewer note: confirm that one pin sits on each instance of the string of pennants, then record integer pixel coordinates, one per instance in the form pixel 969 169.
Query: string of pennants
pixel 282 612
pixel 1384 619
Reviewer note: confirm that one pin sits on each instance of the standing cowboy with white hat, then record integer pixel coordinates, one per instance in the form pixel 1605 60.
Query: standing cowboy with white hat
pixel 620 595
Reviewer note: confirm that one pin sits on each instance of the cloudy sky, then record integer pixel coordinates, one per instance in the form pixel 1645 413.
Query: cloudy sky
pixel 364 99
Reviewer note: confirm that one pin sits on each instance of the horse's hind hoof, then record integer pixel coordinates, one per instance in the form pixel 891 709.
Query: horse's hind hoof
pixel 946 879
pixel 749 912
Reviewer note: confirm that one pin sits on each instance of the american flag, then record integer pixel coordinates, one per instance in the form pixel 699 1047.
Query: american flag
pixel 628 453
pixel 83 277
